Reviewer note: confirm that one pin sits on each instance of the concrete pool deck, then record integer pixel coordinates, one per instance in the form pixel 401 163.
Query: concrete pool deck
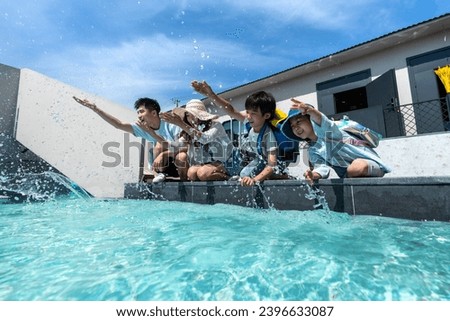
pixel 422 198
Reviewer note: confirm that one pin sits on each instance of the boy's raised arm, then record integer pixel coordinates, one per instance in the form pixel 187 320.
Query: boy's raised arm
pixel 204 89
pixel 306 109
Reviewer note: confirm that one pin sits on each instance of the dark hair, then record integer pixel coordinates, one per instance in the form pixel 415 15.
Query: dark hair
pixel 148 103
pixel 207 123
pixel 262 101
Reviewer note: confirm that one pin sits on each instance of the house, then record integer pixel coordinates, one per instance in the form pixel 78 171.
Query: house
pixel 387 83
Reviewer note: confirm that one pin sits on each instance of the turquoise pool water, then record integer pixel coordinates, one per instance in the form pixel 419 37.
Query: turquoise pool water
pixel 77 249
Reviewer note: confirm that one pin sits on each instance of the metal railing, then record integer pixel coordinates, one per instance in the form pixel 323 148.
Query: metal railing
pixel 419 118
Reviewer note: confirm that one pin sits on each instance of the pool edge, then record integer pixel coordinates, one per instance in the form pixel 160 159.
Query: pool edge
pixel 415 198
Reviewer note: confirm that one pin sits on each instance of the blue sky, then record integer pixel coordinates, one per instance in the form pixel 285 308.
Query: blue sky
pixel 123 50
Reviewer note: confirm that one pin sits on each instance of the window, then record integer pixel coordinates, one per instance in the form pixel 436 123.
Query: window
pixel 344 93
pixel 349 100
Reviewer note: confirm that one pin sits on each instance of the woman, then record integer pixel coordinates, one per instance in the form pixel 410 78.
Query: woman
pixel 209 148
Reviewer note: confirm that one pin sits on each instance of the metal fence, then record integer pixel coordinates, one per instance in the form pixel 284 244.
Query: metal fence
pixel 419 118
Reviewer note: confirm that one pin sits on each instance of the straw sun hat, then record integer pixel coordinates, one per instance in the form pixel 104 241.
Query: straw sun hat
pixel 196 108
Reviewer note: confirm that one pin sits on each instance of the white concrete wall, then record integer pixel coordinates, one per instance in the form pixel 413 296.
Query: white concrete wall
pixel 425 155
pixel 422 155
pixel 73 138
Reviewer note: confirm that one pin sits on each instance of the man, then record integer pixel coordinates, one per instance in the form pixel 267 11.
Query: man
pixel 163 159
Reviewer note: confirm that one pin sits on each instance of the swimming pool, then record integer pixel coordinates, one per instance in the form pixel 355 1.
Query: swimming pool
pixel 71 248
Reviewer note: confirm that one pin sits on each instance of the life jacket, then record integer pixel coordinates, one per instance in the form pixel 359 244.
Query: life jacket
pixel 360 134
pixel 288 149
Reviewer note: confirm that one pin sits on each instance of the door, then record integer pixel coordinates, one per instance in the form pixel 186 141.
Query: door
pixel 382 94
pixel 430 112
pixel 431 115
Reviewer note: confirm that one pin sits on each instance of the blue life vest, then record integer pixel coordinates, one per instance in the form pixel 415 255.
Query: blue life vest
pixel 288 149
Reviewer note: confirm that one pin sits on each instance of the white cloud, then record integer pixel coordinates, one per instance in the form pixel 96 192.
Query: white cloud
pixel 156 66
pixel 320 14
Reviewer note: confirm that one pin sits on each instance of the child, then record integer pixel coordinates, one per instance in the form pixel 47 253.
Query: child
pixel 259 110
pixel 327 148
pixel 208 145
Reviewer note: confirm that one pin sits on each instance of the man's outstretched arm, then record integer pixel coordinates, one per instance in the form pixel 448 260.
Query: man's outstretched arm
pixel 117 123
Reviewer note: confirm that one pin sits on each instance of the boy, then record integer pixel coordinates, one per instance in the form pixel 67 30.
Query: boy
pixel 161 158
pixel 328 147
pixel 259 110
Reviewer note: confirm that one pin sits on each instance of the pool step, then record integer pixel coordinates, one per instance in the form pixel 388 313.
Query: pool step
pixel 416 198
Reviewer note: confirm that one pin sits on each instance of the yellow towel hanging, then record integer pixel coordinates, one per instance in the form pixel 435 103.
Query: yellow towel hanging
pixel 444 75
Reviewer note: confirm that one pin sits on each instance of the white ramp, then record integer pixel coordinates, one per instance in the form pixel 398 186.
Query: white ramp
pixel 75 140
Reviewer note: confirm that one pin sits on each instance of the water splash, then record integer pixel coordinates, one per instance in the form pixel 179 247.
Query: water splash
pixel 70 185
pixel 270 205
pixel 317 194
pixel 154 195
pixel 43 186
pixel 314 193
